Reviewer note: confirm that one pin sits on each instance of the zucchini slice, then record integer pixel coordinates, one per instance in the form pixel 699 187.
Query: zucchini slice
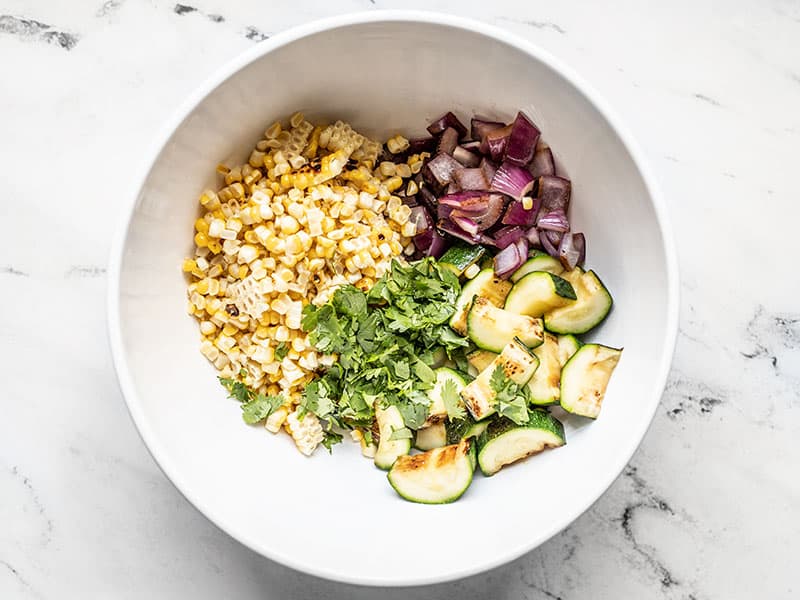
pixel 592 306
pixel 544 386
pixel 431 437
pixel 505 442
pixel 479 360
pixel 461 256
pixel 584 379
pixel 518 363
pixel 389 420
pixel 484 284
pixel 539 292
pixel 568 345
pixel 437 411
pixel 464 428
pixel 538 262
pixel 493 328
pixel 437 476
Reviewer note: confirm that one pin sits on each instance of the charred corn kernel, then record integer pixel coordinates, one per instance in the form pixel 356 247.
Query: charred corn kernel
pixel 415 166
pixel 527 202
pixel 394 183
pixel 409 229
pixel 387 168
pixel 273 131
pixel 397 144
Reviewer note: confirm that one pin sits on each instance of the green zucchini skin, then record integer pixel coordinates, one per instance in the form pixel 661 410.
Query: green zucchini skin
pixel 504 442
pixel 539 292
pixel 588 311
pixel 485 285
pixel 492 328
pixel 538 262
pixel 568 345
pixel 428 438
pixel 459 257
pixel 438 476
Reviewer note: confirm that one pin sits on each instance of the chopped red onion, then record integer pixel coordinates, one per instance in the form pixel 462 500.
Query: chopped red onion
pixel 493 208
pixel 466 199
pixel 466 157
pixel 508 260
pixel 464 223
pixel 438 171
pixel 447 120
pixel 550 241
pixel 447 141
pixel 522 140
pixel 555 220
pixel 488 168
pixel 542 163
pixel 494 143
pixel 512 180
pixel 517 215
pixel 480 126
pixel 508 235
pixel 438 244
pixel 533 237
pixel 471 179
pixel 572 250
pixel 554 192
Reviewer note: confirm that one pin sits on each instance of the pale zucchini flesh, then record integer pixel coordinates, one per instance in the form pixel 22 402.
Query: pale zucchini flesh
pixel 479 360
pixel 584 379
pixel 486 285
pixel 492 328
pixel 437 476
pixel 431 437
pixel 540 262
pixel 505 442
pixel 568 345
pixel 518 364
pixel 539 292
pixel 592 306
pixel 389 420
pixel 436 410
pixel 544 386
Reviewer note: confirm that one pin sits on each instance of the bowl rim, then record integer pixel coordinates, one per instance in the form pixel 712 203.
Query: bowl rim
pixel 229 69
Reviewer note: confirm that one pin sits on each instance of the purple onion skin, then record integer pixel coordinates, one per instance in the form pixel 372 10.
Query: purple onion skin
pixel 427 199
pixel 493 208
pixel 572 250
pixel 522 246
pixel 457 199
pixel 517 215
pixel 447 120
pixel 522 140
pixel 422 241
pixel 554 191
pixel 506 236
pixel 497 147
pixel 550 240
pixel 479 127
pixel 488 168
pixel 508 260
pixel 466 157
pixel 555 220
pixel 451 229
pixel 447 141
pixel 512 180
pixel 494 137
pixel 439 245
pixel 533 237
pixel 542 163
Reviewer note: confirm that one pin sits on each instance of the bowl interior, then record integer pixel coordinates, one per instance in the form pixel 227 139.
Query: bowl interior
pixel 336 516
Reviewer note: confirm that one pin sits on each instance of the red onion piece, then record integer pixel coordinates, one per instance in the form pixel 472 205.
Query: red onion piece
pixel 494 143
pixel 522 140
pixel 508 260
pixel 533 237
pixel 542 163
pixel 447 141
pixel 517 215
pixel 464 223
pixel 493 208
pixel 471 179
pixel 466 157
pixel 550 240
pixel 438 171
pixel 467 200
pixel 522 246
pixel 479 127
pixel 572 250
pixel 447 120
pixel 438 244
pixel 555 220
pixel 508 235
pixel 554 191
pixel 450 228
pixel 512 180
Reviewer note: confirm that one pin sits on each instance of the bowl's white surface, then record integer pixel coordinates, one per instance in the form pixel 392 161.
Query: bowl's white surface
pixel 336 516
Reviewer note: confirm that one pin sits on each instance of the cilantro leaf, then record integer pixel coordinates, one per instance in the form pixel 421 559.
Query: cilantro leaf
pixel 260 408
pixel 510 398
pixel 236 389
pixel 330 439
pixel 452 401
pixel 404 433
pixel 350 301
pixel 281 351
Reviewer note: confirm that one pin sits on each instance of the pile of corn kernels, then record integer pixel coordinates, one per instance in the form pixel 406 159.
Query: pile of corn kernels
pixel 310 211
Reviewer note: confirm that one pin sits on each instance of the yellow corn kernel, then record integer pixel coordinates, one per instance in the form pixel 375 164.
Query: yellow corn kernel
pixel 412 188
pixel 527 202
pixel 229 329
pixel 189 265
pixel 394 183
pixel 201 239
pixel 201 225
pixel 214 246
pixel 202 287
pixel 403 170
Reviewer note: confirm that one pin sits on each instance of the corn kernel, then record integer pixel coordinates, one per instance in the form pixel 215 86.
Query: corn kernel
pixel 471 271
pixel 527 202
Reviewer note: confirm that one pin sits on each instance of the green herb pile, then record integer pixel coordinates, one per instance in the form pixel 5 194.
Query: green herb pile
pixel 387 342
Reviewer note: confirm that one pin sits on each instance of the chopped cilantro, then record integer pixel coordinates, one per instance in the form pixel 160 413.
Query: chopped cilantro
pixel 236 389
pixel 511 399
pixel 404 433
pixel 281 351
pixel 452 401
pixel 260 407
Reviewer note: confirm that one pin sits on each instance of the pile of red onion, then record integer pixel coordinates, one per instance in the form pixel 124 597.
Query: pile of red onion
pixel 476 188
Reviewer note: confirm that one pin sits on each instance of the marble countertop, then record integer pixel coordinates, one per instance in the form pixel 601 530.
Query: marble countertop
pixel 710 505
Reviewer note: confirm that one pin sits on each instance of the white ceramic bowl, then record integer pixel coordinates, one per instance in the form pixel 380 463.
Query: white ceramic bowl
pixel 336 516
